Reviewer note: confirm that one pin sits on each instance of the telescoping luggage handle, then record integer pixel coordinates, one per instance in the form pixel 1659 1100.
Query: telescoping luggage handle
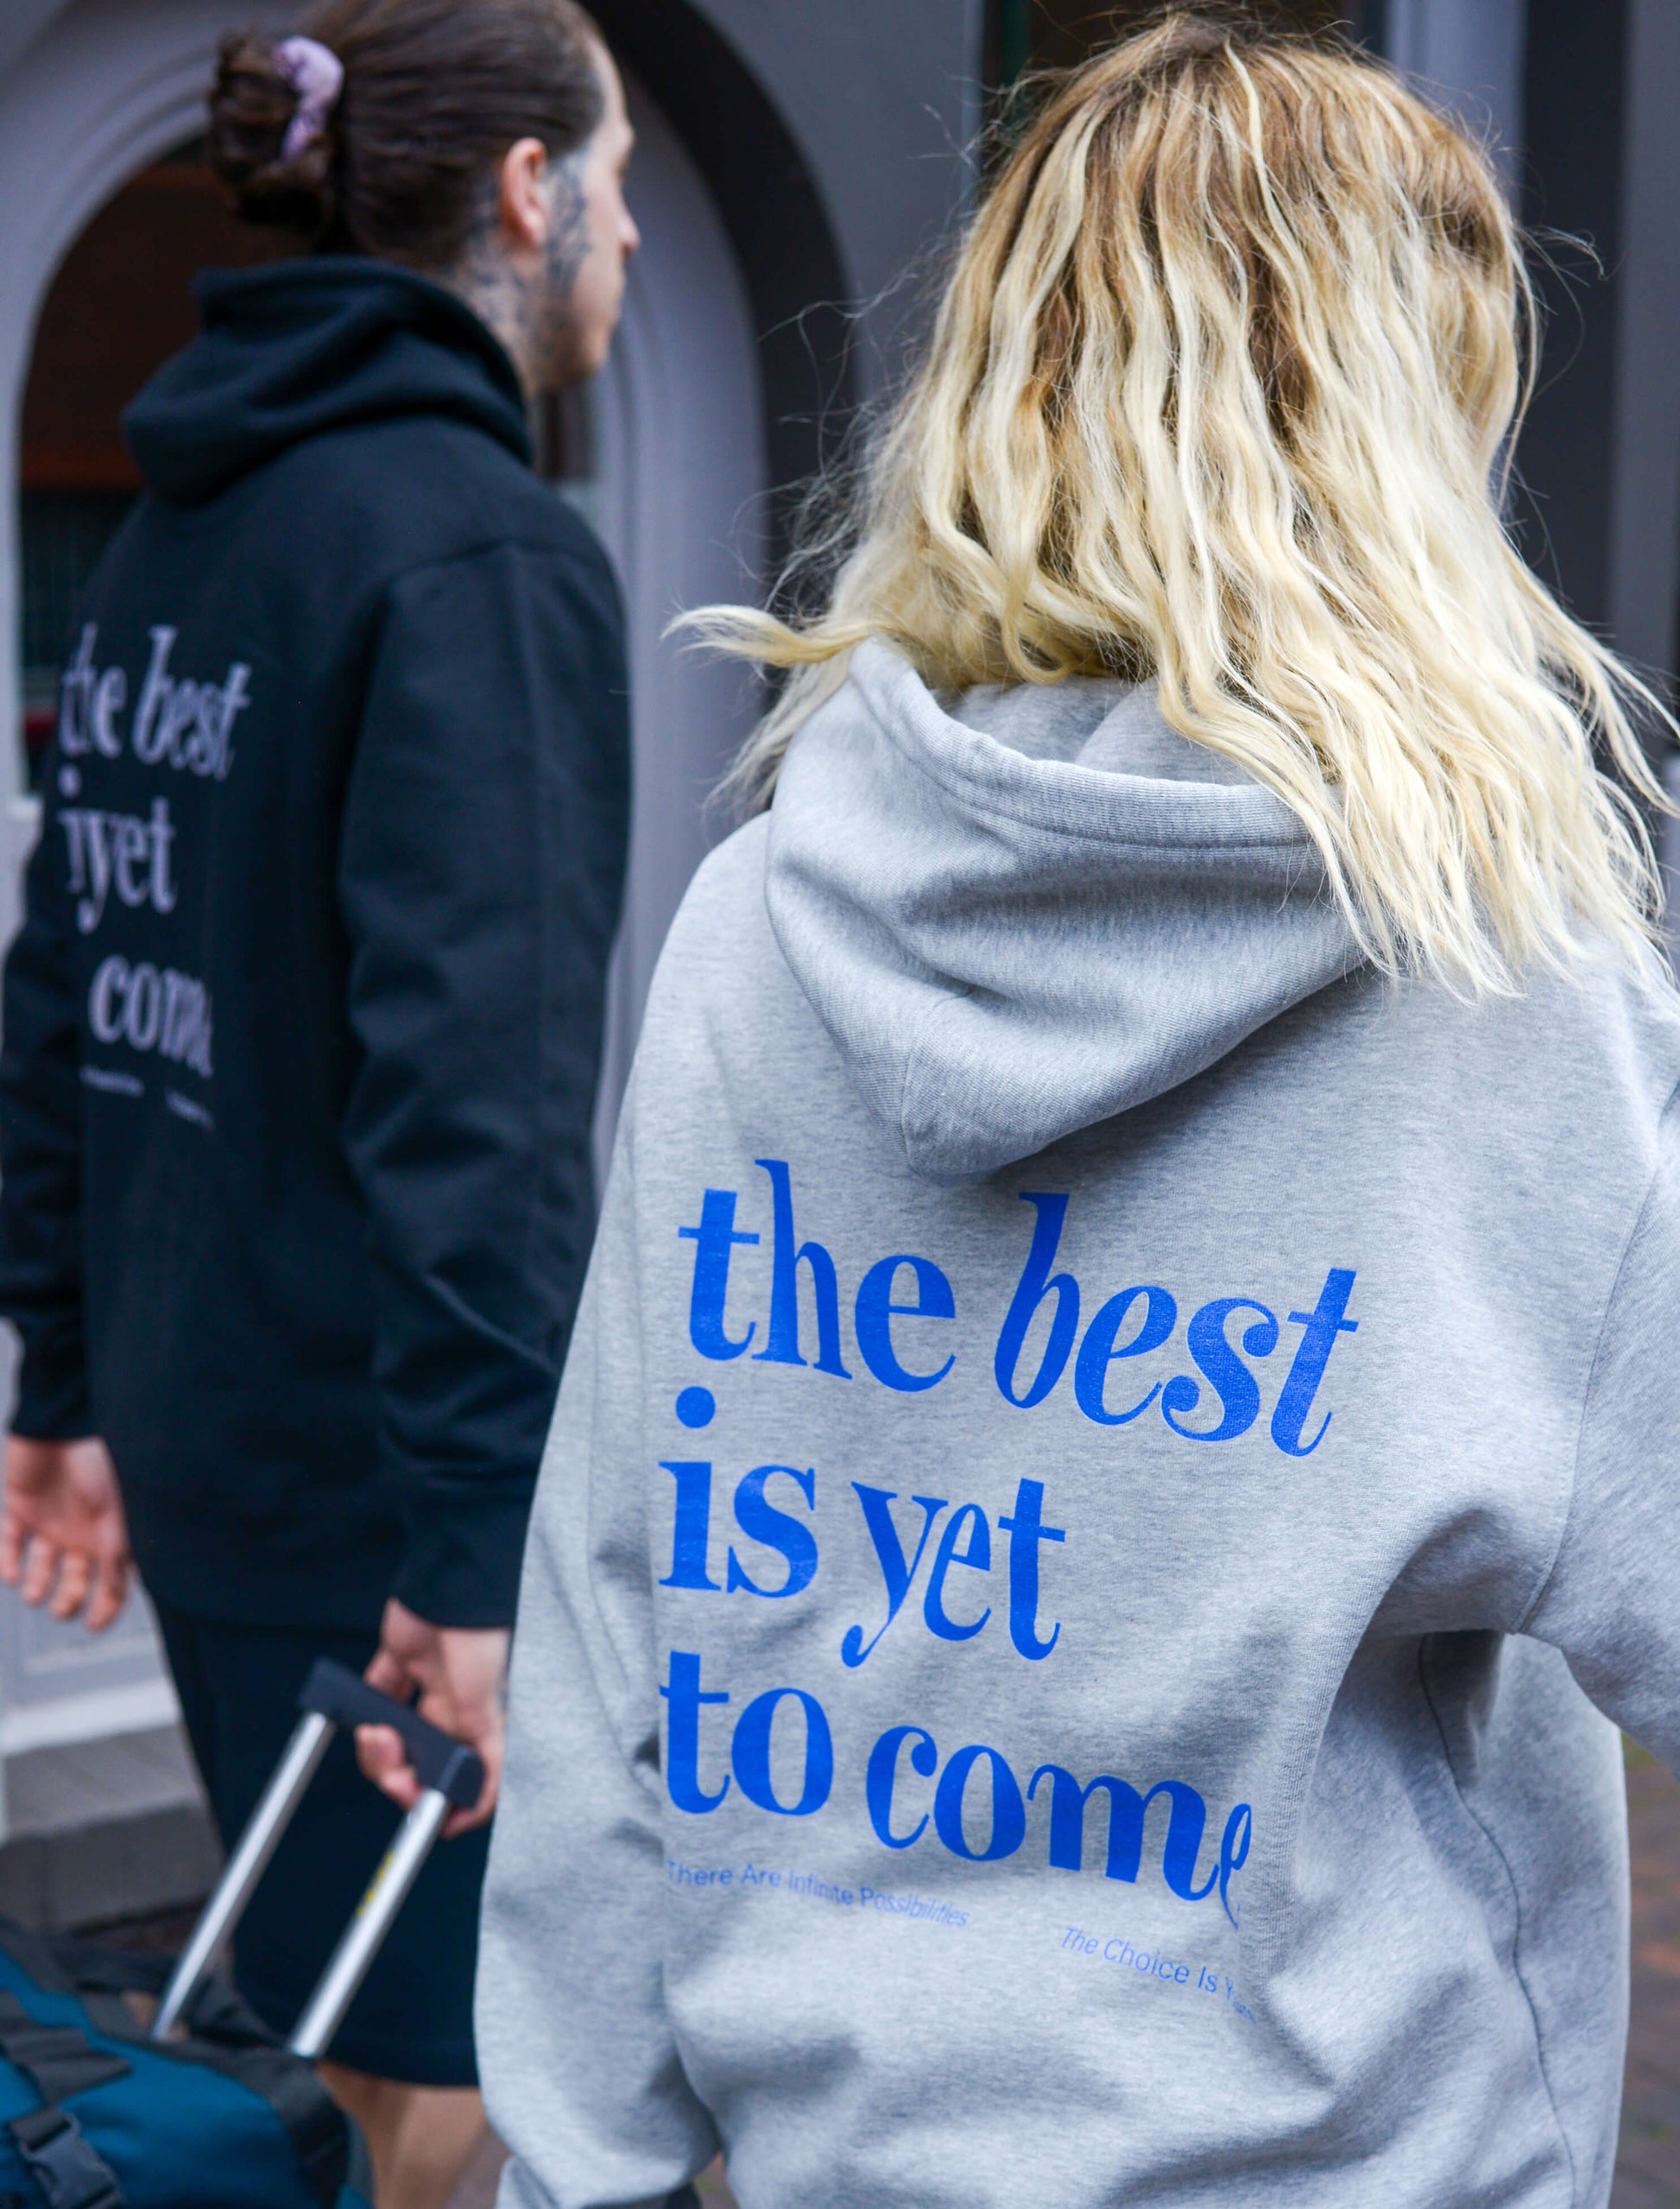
pixel 449 1773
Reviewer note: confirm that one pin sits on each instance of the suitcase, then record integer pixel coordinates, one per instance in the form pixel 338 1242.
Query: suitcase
pixel 128 2084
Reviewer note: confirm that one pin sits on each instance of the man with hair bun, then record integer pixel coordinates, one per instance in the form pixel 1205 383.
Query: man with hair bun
pixel 303 1023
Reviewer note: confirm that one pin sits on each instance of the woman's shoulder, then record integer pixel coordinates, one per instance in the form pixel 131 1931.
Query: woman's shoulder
pixel 721 923
pixel 1559 1096
pixel 720 963
pixel 1600 1021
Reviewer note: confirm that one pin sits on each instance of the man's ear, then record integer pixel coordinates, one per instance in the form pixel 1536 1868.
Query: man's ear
pixel 522 203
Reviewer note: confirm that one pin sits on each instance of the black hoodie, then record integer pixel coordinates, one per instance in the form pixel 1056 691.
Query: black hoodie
pixel 302 1027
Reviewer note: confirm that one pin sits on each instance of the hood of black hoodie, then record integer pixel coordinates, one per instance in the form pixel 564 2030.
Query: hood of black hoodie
pixel 287 352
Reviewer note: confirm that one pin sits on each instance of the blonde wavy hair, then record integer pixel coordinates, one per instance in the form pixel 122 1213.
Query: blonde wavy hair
pixel 1221 395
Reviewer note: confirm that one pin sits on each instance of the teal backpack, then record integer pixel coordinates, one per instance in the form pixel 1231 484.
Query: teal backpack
pixel 129 2083
pixel 94 2115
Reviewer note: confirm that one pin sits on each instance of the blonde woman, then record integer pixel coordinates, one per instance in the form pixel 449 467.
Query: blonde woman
pixel 1118 1471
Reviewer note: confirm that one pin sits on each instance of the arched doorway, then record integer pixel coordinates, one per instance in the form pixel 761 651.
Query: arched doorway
pixel 118 306
pixel 676 474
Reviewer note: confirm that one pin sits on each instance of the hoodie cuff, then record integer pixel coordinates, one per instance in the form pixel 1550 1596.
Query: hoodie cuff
pixel 53 1401
pixel 461 1562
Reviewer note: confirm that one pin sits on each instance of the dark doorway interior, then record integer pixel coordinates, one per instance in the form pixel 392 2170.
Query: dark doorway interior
pixel 1575 98
pixel 121 303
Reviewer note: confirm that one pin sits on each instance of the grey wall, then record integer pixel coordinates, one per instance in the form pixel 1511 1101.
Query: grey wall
pixel 1644 565
pixel 20 22
pixel 1601 454
pixel 884 99
pixel 835 142
pixel 1470 51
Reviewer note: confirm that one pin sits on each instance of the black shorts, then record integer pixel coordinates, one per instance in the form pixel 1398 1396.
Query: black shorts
pixel 412 2019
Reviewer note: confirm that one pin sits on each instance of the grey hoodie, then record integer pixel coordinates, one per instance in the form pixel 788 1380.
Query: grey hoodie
pixel 1109 1458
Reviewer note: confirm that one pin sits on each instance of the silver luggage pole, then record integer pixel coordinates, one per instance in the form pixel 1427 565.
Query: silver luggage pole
pixel 450 1774
pixel 245 1867
pixel 367 1929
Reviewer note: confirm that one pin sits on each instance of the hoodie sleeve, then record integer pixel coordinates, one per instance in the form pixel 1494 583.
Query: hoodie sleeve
pixel 40 1156
pixel 1610 1602
pixel 481 869
pixel 582 2075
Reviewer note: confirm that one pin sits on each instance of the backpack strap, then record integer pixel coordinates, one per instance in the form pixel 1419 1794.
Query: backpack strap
pixel 58 2060
pixel 38 1955
pixel 66 2166
pixel 225 2036
pixel 59 1963
pixel 317 2129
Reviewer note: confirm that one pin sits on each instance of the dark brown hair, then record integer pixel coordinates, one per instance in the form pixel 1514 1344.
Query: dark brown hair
pixel 435 92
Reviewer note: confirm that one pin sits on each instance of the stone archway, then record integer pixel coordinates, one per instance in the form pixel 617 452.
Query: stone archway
pixel 105 88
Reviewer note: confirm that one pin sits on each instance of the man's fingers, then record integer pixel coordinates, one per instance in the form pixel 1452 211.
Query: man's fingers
pixel 390 1675
pixel 462 1821
pixel 472 1710
pixel 380 1752
pixel 490 1745
pixel 63 1539
pixel 484 1727
pixel 110 1592
pixel 40 1565
pixel 482 1731
pixel 445 1712
pixel 73 1584
pixel 459 1674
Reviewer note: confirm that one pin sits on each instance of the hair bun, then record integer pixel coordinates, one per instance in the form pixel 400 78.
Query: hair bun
pixel 251 103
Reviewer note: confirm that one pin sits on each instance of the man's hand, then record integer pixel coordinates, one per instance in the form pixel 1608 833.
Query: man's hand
pixel 62 1522
pixel 461 1673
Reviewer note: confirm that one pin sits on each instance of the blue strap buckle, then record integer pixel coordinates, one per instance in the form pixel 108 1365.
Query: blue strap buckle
pixel 63 2161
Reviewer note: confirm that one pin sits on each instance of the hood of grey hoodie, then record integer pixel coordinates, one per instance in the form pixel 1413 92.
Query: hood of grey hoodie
pixel 1019 912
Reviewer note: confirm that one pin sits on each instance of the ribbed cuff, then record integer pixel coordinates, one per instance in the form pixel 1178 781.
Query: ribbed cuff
pixel 53 1400
pixel 461 1562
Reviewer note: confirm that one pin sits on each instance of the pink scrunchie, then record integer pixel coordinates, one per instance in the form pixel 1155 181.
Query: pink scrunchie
pixel 317 76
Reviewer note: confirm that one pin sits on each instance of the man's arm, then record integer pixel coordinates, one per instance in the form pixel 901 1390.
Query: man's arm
pixel 63 1537
pixel 40 1154
pixel 480 873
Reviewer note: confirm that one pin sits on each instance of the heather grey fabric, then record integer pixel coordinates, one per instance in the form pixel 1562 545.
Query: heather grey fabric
pixel 1007 948
pixel 1104 1456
